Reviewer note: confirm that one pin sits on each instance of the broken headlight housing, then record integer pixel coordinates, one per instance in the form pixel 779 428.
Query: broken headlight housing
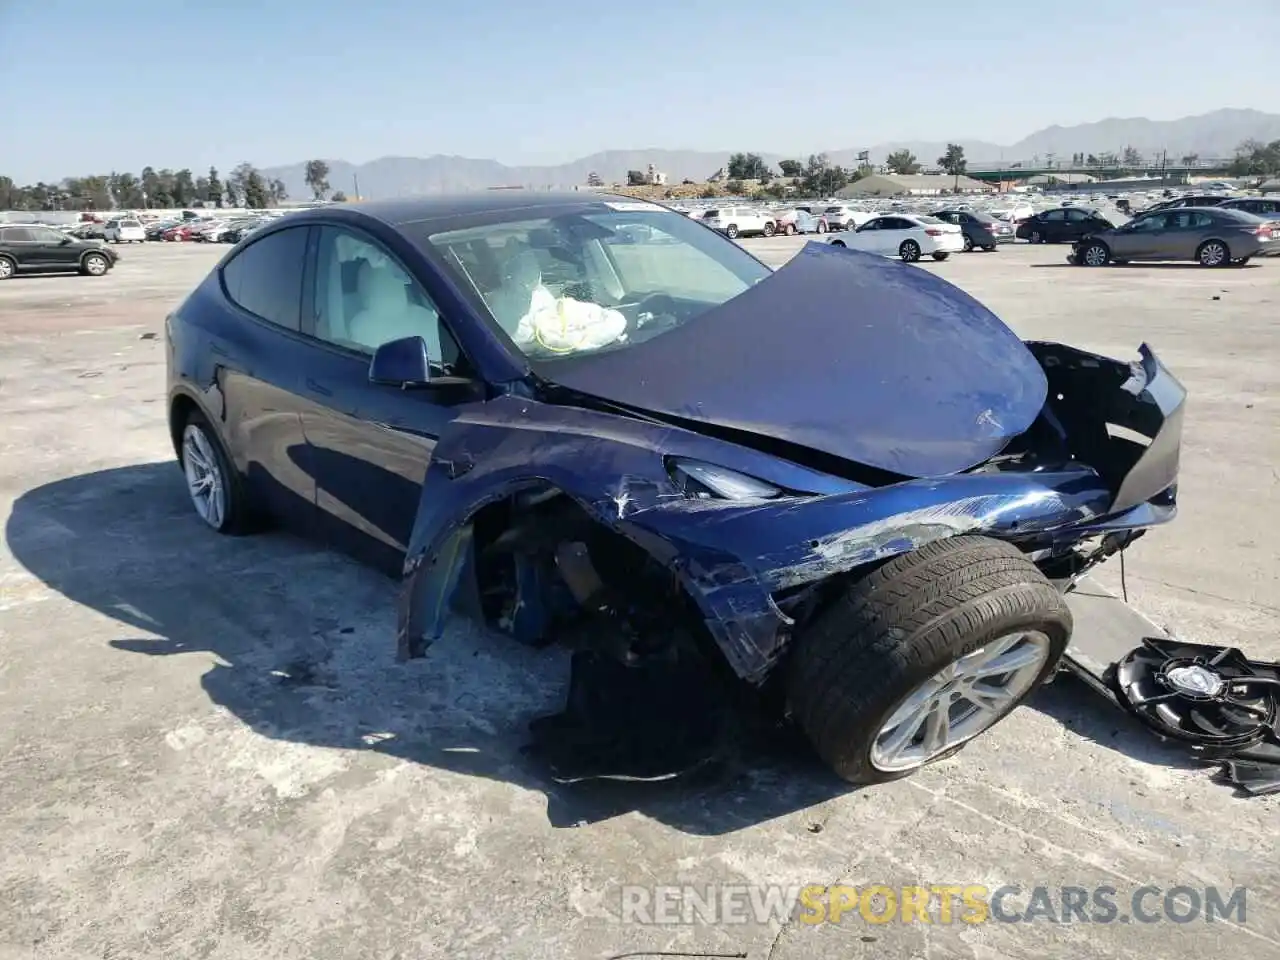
pixel 706 481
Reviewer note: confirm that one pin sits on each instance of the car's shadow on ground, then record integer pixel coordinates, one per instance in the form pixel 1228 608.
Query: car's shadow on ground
pixel 304 641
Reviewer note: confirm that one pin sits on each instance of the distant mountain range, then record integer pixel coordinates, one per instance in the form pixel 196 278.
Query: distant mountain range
pixel 1215 134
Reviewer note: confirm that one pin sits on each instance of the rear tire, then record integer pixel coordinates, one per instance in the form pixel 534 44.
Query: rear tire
pixel 821 228
pixel 839 243
pixel 769 230
pixel 7 268
pixel 941 255
pixel 1213 253
pixel 895 631
pixel 1094 255
pixel 968 244
pixel 202 457
pixel 731 231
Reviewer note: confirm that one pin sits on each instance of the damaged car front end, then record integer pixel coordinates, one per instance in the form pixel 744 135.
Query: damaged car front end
pixel 849 485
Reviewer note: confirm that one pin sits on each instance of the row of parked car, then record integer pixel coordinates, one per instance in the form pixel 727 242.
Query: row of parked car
pixel 185 228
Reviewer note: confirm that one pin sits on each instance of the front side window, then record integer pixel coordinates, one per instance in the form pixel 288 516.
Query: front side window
pixel 584 282
pixel 47 235
pixel 265 278
pixel 365 298
pixel 1056 215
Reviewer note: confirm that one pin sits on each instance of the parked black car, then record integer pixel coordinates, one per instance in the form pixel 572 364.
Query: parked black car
pixel 1267 207
pixel 981 230
pixel 1063 225
pixel 36 249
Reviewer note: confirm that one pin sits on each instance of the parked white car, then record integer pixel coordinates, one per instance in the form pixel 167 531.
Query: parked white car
pixel 739 221
pixel 904 235
pixel 843 217
pixel 124 231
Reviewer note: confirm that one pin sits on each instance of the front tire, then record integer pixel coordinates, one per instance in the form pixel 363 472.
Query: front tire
pixel 1094 255
pixel 731 231
pixel 216 489
pixel 875 680
pixel 909 251
pixel 94 265
pixel 822 227
pixel 7 268
pixel 968 244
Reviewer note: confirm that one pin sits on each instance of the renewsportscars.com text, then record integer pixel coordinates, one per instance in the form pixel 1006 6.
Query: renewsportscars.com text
pixel 934 903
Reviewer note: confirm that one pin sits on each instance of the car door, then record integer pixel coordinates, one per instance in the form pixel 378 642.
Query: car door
pixel 1077 224
pixel 21 243
pixel 1138 239
pixel 259 357
pixel 1185 231
pixel 1053 224
pixel 370 443
pixel 868 237
pixel 56 251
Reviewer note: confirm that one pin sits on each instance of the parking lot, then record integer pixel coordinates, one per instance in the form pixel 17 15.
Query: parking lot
pixel 207 749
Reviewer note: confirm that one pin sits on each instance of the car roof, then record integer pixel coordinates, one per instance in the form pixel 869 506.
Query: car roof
pixel 448 206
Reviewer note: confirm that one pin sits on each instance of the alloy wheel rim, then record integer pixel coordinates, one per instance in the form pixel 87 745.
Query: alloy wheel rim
pixel 6 268
pixel 96 265
pixel 962 700
pixel 205 482
pixel 910 251
pixel 1095 256
pixel 1213 254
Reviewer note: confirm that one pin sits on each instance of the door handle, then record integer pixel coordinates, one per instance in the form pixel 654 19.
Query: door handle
pixel 315 387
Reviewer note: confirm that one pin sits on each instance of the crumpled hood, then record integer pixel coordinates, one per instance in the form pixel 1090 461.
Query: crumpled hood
pixel 868 359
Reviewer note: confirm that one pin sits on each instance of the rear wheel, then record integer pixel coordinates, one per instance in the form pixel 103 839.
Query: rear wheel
pixel 923 654
pixel 7 268
pixel 770 229
pixel 731 231
pixel 941 255
pixel 838 243
pixel 822 227
pixel 1213 253
pixel 968 244
pixel 909 251
pixel 791 229
pixel 214 486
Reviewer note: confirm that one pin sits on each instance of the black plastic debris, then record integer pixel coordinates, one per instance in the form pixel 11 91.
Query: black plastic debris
pixel 1214 699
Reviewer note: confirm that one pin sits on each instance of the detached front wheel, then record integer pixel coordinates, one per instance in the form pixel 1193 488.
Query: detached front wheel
pixel 923 654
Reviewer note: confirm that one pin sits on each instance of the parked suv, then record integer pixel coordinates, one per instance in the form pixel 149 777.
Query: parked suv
pixel 124 231
pixel 739 221
pixel 37 249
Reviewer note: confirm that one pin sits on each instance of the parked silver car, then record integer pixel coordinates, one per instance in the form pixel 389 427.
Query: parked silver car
pixel 1208 235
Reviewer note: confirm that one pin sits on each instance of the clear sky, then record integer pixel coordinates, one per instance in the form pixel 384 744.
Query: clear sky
pixel 176 83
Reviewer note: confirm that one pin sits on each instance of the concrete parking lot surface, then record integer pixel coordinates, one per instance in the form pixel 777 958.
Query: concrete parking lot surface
pixel 207 749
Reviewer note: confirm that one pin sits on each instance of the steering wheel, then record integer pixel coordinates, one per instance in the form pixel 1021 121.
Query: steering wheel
pixel 657 305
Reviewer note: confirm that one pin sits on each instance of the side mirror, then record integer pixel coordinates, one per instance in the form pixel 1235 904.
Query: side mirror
pixel 401 363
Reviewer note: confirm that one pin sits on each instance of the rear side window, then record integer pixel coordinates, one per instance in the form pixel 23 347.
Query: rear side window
pixel 265 277
pixel 18 235
pixel 130 223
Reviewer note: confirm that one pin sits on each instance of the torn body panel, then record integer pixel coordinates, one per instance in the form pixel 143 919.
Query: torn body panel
pixel 735 560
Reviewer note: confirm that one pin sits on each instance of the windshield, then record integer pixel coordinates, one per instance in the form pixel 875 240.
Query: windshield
pixel 599 281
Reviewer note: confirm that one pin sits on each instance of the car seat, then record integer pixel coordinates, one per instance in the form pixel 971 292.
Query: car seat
pixel 387 313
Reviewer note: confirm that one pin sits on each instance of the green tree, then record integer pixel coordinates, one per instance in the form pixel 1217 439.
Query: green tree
pixel 822 178
pixel 184 188
pixel 902 162
pixel 279 194
pixel 635 178
pixel 257 194
pixel 213 188
pixel 747 166
pixel 791 168
pixel 1131 157
pixel 953 161
pixel 317 178
pixel 339 197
